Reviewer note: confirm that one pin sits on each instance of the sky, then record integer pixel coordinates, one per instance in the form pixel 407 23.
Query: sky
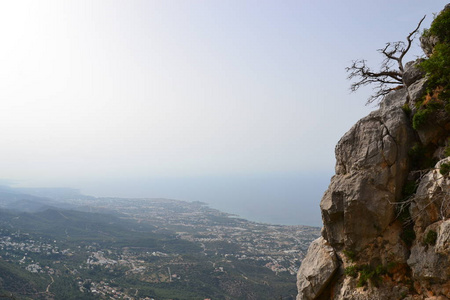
pixel 235 103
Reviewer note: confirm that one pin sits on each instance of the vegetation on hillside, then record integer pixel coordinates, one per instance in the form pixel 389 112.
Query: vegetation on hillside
pixel 179 270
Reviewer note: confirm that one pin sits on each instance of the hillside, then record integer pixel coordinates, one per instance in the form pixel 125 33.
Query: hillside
pixel 139 248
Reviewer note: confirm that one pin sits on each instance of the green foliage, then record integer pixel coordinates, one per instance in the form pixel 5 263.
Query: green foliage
pixel 381 270
pixel 420 118
pixel 441 27
pixel 407 109
pixel 402 210
pixel 65 287
pixel 391 266
pixel 404 215
pixel 445 169
pixel 366 273
pixel 437 66
pixel 199 278
pixel 409 189
pixel 352 271
pixel 447 149
pixel 105 230
pixel 17 280
pixel 408 236
pixel 430 238
pixel 416 153
pixel 421 157
pixel 349 254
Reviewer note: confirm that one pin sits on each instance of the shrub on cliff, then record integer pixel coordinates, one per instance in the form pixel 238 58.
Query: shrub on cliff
pixel 437 68
pixel 441 26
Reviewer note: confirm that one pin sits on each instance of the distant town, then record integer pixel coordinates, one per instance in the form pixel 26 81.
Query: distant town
pixel 103 269
pixel 282 247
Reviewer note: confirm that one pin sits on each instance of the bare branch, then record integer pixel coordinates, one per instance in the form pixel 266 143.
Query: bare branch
pixel 387 75
pixel 410 37
pixel 432 197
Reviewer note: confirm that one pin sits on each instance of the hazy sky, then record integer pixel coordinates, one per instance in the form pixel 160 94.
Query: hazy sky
pixel 110 91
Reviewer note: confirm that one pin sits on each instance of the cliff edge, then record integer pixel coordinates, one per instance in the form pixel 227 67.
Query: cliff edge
pixel 386 213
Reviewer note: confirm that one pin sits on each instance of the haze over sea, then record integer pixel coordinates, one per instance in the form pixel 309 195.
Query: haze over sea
pixel 235 103
pixel 287 199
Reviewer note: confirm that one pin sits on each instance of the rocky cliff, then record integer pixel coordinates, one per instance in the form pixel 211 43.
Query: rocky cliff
pixel 386 225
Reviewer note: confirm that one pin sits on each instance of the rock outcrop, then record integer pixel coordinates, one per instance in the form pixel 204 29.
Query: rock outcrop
pixel 372 166
pixel 386 213
pixel 317 270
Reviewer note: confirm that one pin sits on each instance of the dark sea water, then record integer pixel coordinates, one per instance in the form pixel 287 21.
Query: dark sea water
pixel 288 199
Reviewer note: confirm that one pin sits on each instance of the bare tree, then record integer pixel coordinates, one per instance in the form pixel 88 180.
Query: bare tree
pixel 391 71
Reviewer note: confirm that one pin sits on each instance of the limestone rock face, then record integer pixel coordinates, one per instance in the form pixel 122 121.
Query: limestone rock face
pixel 386 212
pixel 416 90
pixel 436 129
pixel 360 211
pixel 412 72
pixel 427 43
pixel 431 202
pixel 443 239
pixel 430 210
pixel 372 162
pixel 427 264
pixel 430 264
pixel 317 270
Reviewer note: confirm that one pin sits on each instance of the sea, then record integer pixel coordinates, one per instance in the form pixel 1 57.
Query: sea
pixel 284 199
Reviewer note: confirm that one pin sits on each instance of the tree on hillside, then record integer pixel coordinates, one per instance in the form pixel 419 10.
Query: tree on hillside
pixel 391 70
